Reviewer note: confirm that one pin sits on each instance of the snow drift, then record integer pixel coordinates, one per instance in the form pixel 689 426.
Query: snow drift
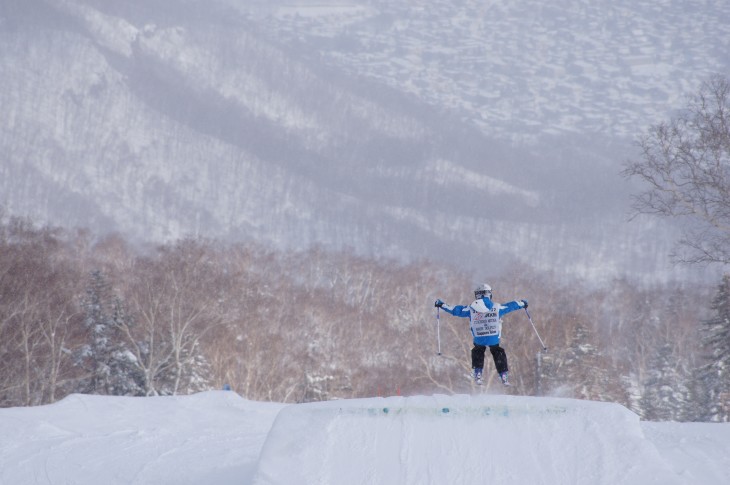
pixel 220 438
pixel 207 438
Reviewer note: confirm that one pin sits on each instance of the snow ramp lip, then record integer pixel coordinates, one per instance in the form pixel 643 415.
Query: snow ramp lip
pixel 459 439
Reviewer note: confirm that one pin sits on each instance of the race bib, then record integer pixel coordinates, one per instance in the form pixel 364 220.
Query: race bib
pixel 485 324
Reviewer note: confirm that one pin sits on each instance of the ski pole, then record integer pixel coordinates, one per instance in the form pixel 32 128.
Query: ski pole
pixel 438 329
pixel 535 329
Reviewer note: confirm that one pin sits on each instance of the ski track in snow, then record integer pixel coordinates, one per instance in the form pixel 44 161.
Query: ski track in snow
pixel 218 437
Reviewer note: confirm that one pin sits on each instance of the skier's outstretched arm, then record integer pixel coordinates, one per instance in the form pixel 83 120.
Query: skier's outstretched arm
pixel 511 306
pixel 457 311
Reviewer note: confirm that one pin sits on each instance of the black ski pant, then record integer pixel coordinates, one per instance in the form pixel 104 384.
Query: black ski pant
pixel 498 353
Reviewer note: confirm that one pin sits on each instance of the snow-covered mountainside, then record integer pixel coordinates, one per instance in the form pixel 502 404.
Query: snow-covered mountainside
pixel 218 437
pixel 524 69
pixel 455 130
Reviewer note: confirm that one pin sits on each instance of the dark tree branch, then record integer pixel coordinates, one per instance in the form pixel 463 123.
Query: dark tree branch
pixel 685 169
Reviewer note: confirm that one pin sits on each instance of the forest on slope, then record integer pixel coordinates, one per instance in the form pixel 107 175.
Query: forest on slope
pixel 436 132
pixel 80 313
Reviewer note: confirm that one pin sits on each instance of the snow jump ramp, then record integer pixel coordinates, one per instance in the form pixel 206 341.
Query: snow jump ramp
pixel 484 439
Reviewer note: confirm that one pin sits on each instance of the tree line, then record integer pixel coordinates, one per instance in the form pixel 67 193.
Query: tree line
pixel 80 314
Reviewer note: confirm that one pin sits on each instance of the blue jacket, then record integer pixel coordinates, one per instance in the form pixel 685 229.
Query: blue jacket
pixel 485 318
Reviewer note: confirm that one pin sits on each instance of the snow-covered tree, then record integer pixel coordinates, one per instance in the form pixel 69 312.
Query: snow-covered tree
pixel 715 375
pixel 666 395
pixel 112 367
pixel 586 366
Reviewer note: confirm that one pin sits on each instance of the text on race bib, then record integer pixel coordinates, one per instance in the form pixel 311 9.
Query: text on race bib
pixel 485 324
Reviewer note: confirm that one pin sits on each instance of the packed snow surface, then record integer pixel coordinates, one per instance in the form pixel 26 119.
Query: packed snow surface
pixel 220 438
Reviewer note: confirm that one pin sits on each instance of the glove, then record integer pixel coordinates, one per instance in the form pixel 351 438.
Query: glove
pixel 438 303
pixel 524 303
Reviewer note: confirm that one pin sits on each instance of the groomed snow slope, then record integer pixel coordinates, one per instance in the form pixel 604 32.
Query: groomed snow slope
pixel 219 438
pixel 460 439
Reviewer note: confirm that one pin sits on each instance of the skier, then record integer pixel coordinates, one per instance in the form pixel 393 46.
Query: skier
pixel 485 319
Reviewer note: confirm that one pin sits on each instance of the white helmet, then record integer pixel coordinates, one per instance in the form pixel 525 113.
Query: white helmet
pixel 483 290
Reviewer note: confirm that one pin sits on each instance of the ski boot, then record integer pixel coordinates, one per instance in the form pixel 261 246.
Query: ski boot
pixel 478 376
pixel 505 379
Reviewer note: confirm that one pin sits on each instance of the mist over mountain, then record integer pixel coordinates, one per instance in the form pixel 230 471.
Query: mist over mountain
pixel 474 133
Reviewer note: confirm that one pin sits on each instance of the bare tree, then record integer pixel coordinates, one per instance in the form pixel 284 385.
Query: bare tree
pixel 685 164
pixel 174 302
pixel 37 314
